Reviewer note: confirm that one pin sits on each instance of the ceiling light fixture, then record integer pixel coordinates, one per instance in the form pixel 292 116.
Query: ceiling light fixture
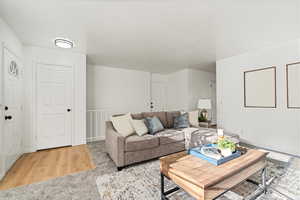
pixel 64 43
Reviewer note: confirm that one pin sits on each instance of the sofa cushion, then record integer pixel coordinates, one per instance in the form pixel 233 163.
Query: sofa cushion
pixel 123 124
pixel 170 136
pixel 136 143
pixel 181 121
pixel 137 116
pixel 161 116
pixel 170 118
pixel 139 127
pixel 153 124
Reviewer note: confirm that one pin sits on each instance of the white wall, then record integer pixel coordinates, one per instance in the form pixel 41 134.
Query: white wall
pixel 201 87
pixel 114 91
pixel 10 41
pixel 117 89
pixel 278 128
pixel 34 55
pixel 187 86
pixel 178 90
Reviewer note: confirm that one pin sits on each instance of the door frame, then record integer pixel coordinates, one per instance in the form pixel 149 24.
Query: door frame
pixel 35 105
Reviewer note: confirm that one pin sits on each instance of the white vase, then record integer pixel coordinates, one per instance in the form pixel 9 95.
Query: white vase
pixel 226 152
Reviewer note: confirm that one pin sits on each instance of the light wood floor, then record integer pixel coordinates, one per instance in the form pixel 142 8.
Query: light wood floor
pixel 47 164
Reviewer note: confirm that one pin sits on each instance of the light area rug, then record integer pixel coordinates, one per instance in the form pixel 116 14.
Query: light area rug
pixel 289 183
pixel 143 182
pixel 82 186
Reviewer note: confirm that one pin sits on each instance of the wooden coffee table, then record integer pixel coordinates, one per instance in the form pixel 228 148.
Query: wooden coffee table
pixel 205 181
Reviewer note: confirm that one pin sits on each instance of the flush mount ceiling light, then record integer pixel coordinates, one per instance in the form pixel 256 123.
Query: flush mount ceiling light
pixel 64 43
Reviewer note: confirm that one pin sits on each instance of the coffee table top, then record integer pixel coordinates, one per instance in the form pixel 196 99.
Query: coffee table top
pixel 203 173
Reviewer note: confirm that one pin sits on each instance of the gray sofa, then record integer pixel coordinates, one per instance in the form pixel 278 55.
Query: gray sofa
pixel 133 149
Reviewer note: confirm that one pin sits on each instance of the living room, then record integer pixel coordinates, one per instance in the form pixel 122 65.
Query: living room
pixel 149 100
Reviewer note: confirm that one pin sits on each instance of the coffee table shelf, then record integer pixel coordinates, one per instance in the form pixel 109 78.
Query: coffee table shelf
pixel 205 181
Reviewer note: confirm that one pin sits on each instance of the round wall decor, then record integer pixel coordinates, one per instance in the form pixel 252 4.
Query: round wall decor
pixel 13 68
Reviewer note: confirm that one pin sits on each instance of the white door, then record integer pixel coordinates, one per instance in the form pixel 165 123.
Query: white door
pixel 54 105
pixel 158 96
pixel 11 109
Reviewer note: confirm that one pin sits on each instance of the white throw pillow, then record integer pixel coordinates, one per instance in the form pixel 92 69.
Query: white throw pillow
pixel 193 118
pixel 140 127
pixel 123 124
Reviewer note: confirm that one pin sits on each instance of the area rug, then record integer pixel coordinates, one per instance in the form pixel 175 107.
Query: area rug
pixel 289 183
pixel 143 182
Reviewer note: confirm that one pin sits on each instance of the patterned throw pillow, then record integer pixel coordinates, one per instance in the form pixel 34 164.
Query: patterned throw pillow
pixel 181 121
pixel 154 125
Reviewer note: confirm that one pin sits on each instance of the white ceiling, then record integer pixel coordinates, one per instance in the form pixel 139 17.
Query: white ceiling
pixel 155 35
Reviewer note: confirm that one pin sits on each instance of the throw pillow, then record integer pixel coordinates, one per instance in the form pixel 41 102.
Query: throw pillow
pixel 140 127
pixel 181 121
pixel 154 125
pixel 123 124
pixel 193 118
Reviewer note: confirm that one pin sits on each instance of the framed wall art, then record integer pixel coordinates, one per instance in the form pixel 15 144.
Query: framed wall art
pixel 260 88
pixel 293 85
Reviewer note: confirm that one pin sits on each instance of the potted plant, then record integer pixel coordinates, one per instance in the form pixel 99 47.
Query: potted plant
pixel 202 118
pixel 226 146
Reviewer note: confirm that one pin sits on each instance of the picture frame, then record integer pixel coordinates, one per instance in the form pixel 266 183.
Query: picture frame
pixel 292 85
pixel 260 88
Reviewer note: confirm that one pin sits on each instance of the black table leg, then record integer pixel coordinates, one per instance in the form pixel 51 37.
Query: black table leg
pixel 162 187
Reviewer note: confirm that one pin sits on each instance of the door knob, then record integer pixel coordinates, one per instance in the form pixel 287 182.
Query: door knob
pixel 8 117
pixel 5 108
pixel 69 110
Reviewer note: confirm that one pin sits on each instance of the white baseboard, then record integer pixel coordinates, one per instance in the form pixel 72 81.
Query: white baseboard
pixel 93 139
pixel 29 149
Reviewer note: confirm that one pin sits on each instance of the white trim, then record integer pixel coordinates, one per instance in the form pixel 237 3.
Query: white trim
pixel 93 139
pixel 30 149
pixel 96 119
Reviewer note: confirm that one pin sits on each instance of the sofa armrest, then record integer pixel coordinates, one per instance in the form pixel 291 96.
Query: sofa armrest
pixel 115 144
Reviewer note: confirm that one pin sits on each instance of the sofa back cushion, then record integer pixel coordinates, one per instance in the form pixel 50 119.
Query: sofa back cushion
pixel 170 118
pixel 162 116
pixel 138 116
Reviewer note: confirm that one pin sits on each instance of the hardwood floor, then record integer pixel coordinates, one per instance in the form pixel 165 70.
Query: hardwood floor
pixel 47 164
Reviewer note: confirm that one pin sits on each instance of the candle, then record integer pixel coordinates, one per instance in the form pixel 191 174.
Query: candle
pixel 220 133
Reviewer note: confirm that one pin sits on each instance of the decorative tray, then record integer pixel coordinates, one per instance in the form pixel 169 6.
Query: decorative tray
pixel 197 152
